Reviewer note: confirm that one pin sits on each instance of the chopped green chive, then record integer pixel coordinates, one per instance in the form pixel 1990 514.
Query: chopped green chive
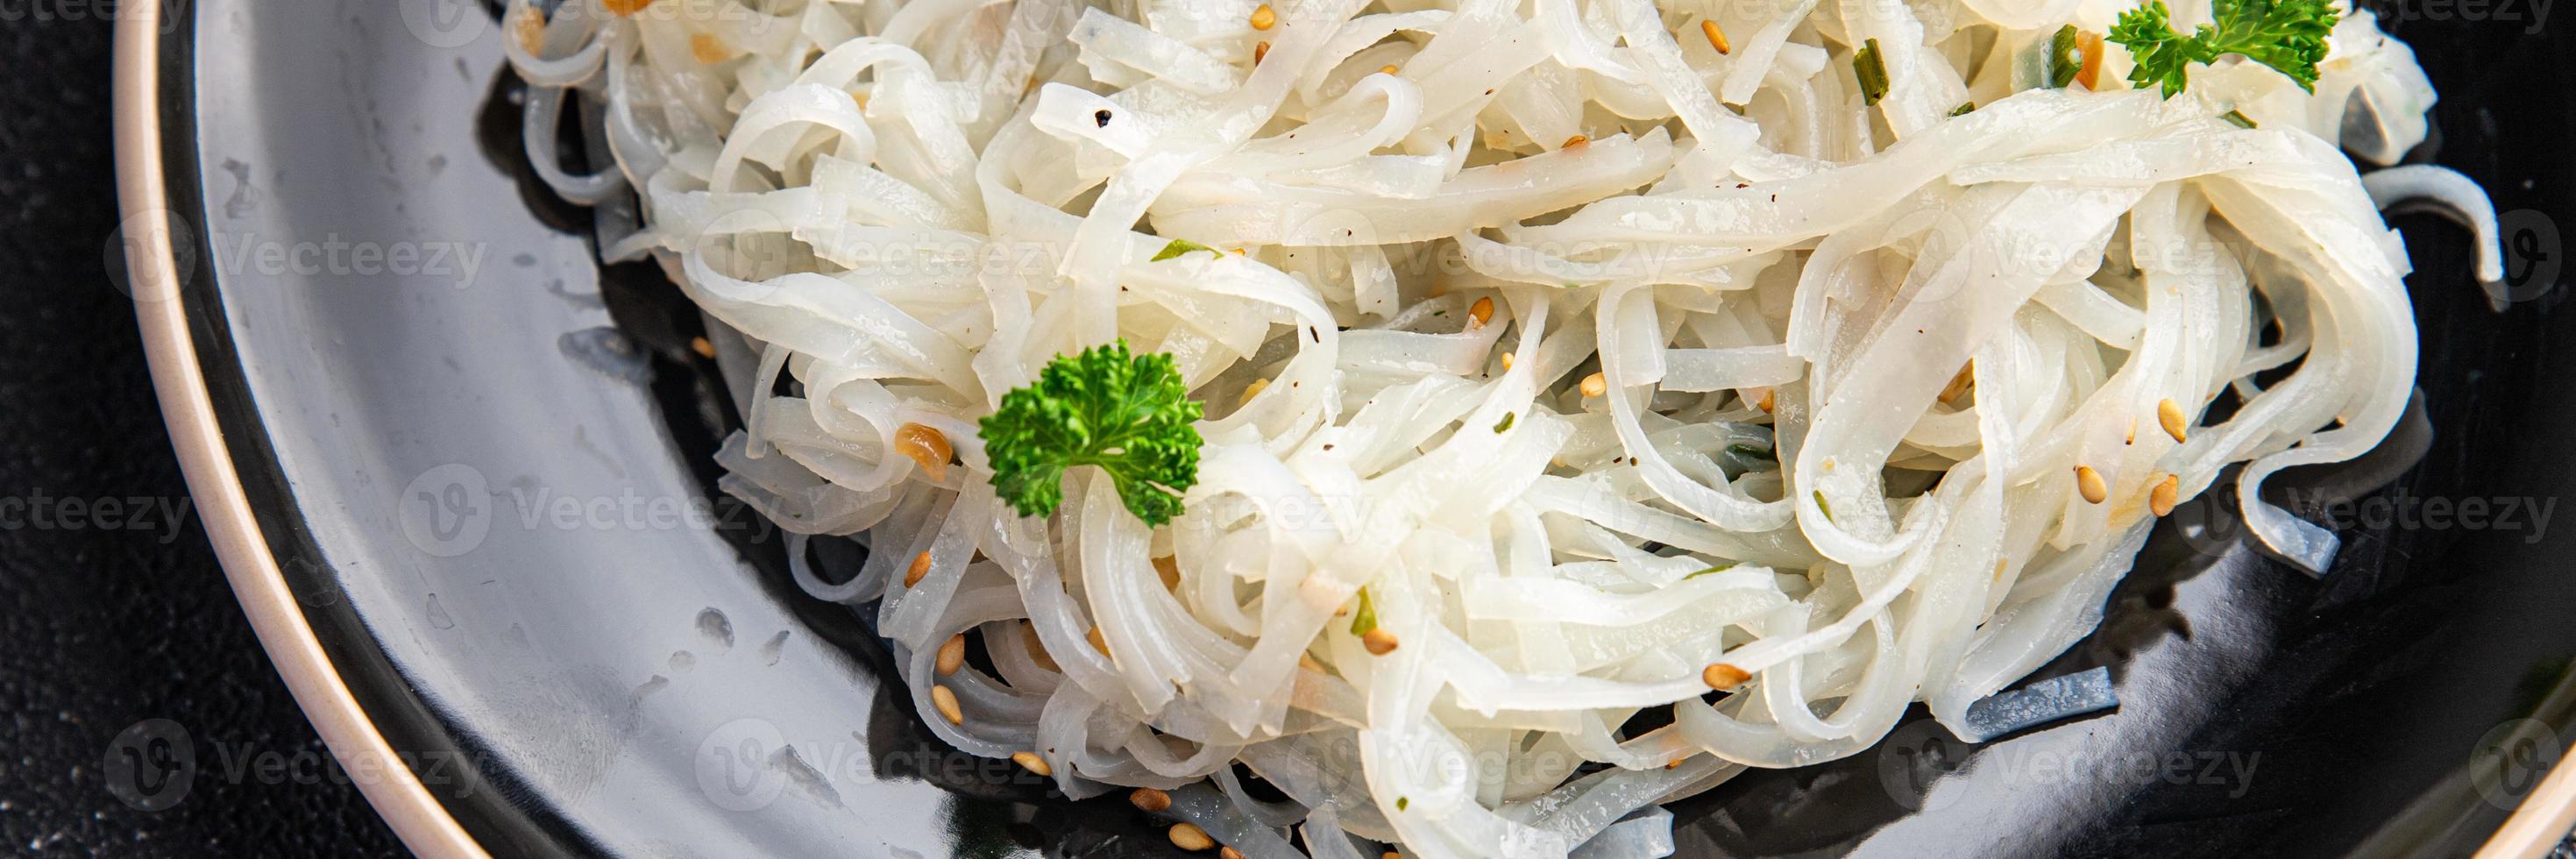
pixel 1364 617
pixel 1871 70
pixel 2064 58
pixel 1716 569
pixel 2237 119
pixel 1964 108
pixel 1827 509
pixel 1746 451
pixel 1506 422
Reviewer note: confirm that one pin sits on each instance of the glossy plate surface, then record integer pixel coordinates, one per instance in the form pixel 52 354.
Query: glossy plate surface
pixel 479 461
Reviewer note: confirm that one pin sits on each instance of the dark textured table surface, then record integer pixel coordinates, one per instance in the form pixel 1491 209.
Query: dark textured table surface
pixel 119 639
pixel 110 617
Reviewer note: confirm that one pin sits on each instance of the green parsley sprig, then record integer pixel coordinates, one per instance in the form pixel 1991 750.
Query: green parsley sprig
pixel 1128 414
pixel 2288 35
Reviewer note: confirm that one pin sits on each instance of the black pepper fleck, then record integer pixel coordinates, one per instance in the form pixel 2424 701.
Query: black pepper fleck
pixel 1101 117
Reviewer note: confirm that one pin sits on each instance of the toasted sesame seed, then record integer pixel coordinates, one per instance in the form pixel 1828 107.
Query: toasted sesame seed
pixel 920 567
pixel 1379 642
pixel 1150 800
pixel 945 702
pixel 1507 360
pixel 1259 51
pixel 1594 385
pixel 1307 661
pixel 2161 499
pixel 1767 400
pixel 1482 312
pixel 952 655
pixel 707 49
pixel 1189 837
pixel 1031 762
pixel 1387 69
pixel 1263 17
pixel 530 27
pixel 702 347
pixel 1575 141
pixel 1037 648
pixel 1169 568
pixel 1252 390
pixel 2090 484
pixel 2169 415
pixel 1098 643
pixel 1716 35
pixel 926 447
pixel 1228 853
pixel 1719 675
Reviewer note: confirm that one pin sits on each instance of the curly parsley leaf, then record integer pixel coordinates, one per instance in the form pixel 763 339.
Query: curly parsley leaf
pixel 1127 414
pixel 2288 35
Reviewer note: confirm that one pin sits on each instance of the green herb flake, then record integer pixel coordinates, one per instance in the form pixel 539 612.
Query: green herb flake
pixel 2237 119
pixel 2288 35
pixel 1821 506
pixel 1179 247
pixel 1128 414
pixel 1506 422
pixel 2065 59
pixel 1746 451
pixel 1870 68
pixel 1716 569
pixel 1364 616
pixel 1964 108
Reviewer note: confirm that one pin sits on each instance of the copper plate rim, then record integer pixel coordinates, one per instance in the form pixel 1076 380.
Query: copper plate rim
pixel 2541 821
pixel 416 815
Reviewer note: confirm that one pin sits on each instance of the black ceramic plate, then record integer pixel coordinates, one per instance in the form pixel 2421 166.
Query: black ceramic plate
pixel 459 475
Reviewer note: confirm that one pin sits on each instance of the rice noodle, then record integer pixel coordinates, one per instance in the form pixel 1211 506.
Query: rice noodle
pixel 1598 353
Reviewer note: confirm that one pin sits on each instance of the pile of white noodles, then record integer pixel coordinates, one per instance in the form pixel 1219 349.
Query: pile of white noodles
pixel 1531 337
